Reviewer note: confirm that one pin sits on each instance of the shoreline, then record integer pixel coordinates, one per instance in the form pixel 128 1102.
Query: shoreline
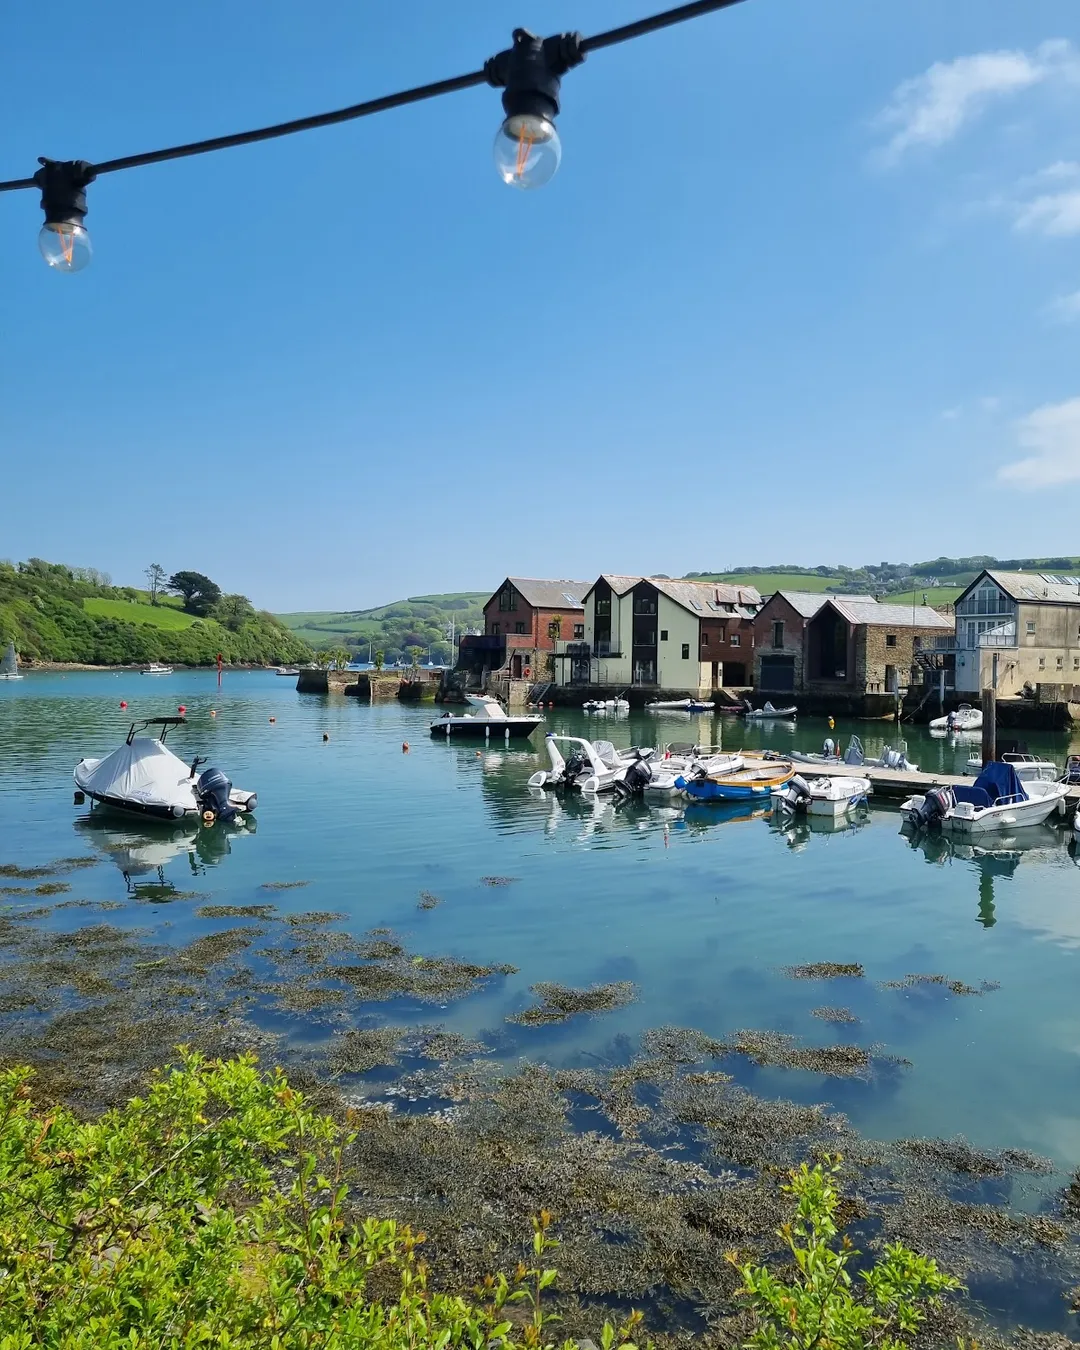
pixel 134 668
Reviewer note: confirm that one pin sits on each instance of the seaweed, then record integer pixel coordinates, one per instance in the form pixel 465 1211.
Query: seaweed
pixel 558 1002
pixel 777 1049
pixel 824 970
pixel 957 987
pixel 367 1048
pixel 379 949
pixel 235 911
pixel 215 948
pixel 313 918
pixel 839 1015
pixel 498 881
pixel 428 901
pixel 59 865
pixel 46 888
pixel 283 885
pixel 959 1156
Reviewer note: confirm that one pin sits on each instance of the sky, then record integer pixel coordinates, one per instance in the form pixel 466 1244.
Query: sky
pixel 805 288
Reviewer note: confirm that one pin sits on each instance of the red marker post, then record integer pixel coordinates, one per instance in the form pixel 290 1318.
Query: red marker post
pixel 219 670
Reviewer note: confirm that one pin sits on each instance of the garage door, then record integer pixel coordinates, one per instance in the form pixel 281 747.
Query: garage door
pixel 778 673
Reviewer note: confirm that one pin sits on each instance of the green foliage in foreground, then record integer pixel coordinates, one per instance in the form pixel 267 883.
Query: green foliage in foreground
pixel 210 1213
pixel 821 1307
pixel 54 613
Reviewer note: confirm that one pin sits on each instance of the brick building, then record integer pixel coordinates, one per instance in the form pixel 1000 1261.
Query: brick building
pixel 523 621
pixel 859 646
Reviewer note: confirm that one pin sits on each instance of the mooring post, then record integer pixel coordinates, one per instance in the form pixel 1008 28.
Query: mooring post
pixel 989 725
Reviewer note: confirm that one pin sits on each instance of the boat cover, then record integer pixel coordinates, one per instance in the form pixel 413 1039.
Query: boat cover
pixel 1000 782
pixel 145 772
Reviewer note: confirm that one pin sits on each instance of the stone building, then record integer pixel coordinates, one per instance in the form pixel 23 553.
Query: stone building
pixel 1025 626
pixel 859 646
pixel 780 639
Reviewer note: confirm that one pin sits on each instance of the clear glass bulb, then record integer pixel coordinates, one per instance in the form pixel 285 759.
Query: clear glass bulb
pixel 527 151
pixel 65 247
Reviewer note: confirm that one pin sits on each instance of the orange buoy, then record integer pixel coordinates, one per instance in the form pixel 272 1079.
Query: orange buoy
pixel 123 704
pixel 182 709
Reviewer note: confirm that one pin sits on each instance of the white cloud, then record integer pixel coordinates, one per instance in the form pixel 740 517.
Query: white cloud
pixel 1065 308
pixel 935 106
pixel 1052 433
pixel 951 414
pixel 1053 213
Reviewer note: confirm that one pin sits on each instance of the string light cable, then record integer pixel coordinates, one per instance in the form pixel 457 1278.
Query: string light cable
pixel 527 148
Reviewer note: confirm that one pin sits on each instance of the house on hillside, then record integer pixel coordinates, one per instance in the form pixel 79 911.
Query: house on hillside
pixel 523 621
pixel 1026 625
pixel 655 633
pixel 780 639
pixel 860 646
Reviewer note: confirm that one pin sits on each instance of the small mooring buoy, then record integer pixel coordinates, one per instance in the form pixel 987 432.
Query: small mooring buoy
pixel 404 747
pixel 326 735
pixel 80 797
pixel 273 719
pixel 122 704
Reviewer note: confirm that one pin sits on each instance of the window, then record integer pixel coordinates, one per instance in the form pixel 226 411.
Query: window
pixel 579 630
pixel 1076 663
pixel 519 627
pixel 778 633
pixel 686 651
pixel 507 599
pixel 603 607
pixel 496 629
pixel 733 640
pixel 704 639
pixel 1031 625
pixel 1042 662
pixel 1059 663
pixel 890 639
pixel 663 634
pixel 644 604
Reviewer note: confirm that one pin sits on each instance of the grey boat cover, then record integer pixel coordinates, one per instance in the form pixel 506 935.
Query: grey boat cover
pixel 146 773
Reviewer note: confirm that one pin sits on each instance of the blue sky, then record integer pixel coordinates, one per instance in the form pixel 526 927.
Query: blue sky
pixel 806 287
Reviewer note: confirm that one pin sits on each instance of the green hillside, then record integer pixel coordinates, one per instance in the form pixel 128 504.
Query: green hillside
pixel 767 582
pixel 420 621
pixel 57 613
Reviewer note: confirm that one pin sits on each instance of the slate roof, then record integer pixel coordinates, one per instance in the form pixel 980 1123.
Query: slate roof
pixel 887 616
pixel 705 598
pixel 807 603
pixel 551 594
pixel 1036 586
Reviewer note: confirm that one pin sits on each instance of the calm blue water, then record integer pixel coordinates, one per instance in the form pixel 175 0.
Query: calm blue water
pixel 699 907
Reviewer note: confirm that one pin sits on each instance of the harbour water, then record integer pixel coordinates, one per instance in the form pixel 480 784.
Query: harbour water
pixel 701 908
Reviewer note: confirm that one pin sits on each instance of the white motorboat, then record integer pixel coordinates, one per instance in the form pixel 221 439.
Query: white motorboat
pixel 680 705
pixel 155 669
pixel 287 670
pixel 964 718
pixel 1028 767
pixel 997 800
pixel 144 777
pixel 753 714
pixel 831 795
pixel 592 766
pixel 667 771
pixel 9 664
pixel 488 719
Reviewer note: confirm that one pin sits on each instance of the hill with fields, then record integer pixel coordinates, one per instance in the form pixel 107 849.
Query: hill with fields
pixel 57 613
pixel 422 621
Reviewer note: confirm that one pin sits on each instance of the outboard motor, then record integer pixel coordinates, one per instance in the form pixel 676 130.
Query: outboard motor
pixel 795 795
pixel 213 790
pixel 936 803
pixel 575 765
pixel 635 780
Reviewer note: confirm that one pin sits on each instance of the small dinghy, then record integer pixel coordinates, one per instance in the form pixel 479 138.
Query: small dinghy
pixel 666 772
pixel 145 777
pixel 9 664
pixel 1028 767
pixel 606 705
pixel 681 705
pixel 760 780
pixel 826 796
pixel 488 719
pixel 997 800
pixel 753 714
pixel 964 718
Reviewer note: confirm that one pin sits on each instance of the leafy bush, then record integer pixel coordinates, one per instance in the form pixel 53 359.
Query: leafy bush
pixel 819 1308
pixel 211 1212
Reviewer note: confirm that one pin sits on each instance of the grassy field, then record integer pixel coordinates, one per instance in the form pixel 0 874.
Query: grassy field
pixel 322 627
pixel 935 595
pixel 160 616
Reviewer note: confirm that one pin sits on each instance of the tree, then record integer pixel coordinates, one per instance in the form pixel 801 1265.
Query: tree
pixel 233 611
pixel 199 592
pixel 380 657
pixel 155 580
pixel 414 654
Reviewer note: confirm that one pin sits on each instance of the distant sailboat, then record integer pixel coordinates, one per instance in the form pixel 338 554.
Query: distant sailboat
pixel 9 665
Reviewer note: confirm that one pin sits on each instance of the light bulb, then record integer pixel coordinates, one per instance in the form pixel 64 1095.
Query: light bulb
pixel 65 246
pixel 527 150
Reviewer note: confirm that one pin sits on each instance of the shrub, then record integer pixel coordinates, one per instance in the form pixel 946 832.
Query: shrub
pixel 819 1309
pixel 211 1212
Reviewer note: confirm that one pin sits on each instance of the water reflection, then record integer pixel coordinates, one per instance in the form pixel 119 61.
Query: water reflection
pixel 142 850
pixel 797 831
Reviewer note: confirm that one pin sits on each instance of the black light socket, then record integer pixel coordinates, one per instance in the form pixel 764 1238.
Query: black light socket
pixel 530 72
pixel 63 185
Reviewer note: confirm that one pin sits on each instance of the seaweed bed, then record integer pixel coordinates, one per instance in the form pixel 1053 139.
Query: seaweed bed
pixel 653 1158
pixel 558 1002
